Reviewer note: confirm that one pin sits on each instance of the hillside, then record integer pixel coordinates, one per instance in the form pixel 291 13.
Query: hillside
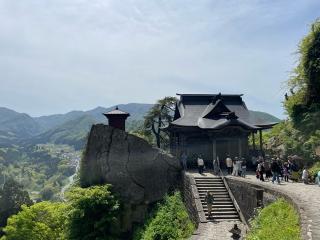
pixel 72 128
pixel 264 116
pixel 73 132
pixel 19 124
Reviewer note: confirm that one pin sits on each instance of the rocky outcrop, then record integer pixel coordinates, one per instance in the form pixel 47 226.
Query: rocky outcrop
pixel 139 173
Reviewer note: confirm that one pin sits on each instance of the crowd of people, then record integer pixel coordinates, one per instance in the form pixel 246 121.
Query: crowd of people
pixel 267 168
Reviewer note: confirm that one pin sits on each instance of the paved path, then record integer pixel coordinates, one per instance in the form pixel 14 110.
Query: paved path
pixel 307 198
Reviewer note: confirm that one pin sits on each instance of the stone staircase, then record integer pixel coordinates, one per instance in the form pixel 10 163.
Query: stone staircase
pixel 222 208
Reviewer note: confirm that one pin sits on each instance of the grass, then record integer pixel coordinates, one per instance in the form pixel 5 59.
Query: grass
pixel 170 221
pixel 277 221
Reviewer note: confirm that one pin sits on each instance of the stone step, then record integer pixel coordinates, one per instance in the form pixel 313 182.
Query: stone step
pixel 203 195
pixel 209 184
pixel 220 209
pixel 221 218
pixel 209 181
pixel 215 193
pixel 212 189
pixel 219 203
pixel 222 212
pixel 216 201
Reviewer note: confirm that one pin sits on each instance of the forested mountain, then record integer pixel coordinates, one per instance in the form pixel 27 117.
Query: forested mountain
pixel 264 116
pixel 18 124
pixel 71 128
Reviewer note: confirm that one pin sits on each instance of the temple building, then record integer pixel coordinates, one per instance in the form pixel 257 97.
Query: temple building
pixel 214 126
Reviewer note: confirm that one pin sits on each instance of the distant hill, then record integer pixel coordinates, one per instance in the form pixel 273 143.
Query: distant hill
pixel 136 110
pixel 72 128
pixel 73 132
pixel 266 117
pixel 18 124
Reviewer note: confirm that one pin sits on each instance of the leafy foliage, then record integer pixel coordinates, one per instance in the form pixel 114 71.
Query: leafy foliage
pixel 278 220
pixel 41 221
pixel 94 213
pixel 300 134
pixel 170 221
pixel 89 213
pixel 306 78
pixel 159 116
pixel 12 197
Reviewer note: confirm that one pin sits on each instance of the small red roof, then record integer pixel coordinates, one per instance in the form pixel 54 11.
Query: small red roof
pixel 116 111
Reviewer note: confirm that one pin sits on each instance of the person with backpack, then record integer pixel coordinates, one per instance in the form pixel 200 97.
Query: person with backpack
pixel 209 200
pixel 275 169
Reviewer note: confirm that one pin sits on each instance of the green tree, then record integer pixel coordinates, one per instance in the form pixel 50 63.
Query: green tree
pixel 305 82
pixel 47 193
pixel 41 221
pixel 159 116
pixel 12 197
pixel 94 215
pixel 171 221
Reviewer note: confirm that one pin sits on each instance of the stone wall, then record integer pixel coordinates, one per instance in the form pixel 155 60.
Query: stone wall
pixel 138 172
pixel 192 199
pixel 250 196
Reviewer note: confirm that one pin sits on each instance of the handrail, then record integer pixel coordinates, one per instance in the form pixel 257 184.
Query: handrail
pixel 233 199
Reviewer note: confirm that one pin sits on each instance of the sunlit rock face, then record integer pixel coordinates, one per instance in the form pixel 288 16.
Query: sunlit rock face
pixel 139 173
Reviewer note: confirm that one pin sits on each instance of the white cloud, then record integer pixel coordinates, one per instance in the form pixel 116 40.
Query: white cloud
pixel 59 55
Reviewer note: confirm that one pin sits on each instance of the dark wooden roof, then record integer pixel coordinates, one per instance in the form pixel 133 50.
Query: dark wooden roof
pixel 116 112
pixel 215 111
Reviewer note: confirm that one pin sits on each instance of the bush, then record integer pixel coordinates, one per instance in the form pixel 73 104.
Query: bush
pixel 170 221
pixel 94 213
pixel 314 170
pixel 278 220
pixel 43 220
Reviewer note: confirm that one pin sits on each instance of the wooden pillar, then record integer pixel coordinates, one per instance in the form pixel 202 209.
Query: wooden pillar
pixel 214 149
pixel 253 141
pixel 239 147
pixel 260 133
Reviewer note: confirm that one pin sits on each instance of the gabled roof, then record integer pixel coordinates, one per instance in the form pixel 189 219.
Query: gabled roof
pixel 215 111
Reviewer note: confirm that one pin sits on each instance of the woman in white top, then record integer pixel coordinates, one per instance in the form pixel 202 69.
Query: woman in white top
pixel 200 163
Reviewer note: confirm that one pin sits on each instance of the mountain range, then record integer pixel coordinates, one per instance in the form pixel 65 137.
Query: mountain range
pixel 70 128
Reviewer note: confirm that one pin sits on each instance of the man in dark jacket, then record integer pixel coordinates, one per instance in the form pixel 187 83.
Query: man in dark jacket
pixel 275 169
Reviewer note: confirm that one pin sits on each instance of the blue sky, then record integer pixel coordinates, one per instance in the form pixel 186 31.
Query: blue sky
pixel 58 55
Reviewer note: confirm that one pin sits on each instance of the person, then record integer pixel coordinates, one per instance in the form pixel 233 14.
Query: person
pixel 286 172
pixel 275 169
pixel 200 164
pixel 260 169
pixel 305 175
pixel 318 178
pixel 229 164
pixel 267 168
pixel 184 157
pixel 235 167
pixel 216 166
pixel 209 200
pixel 243 168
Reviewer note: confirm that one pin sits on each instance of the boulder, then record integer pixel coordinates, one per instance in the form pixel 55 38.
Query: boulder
pixel 140 174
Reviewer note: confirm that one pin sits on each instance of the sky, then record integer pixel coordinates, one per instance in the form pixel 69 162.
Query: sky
pixel 58 55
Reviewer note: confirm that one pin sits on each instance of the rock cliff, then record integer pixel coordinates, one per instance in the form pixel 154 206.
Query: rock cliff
pixel 139 173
